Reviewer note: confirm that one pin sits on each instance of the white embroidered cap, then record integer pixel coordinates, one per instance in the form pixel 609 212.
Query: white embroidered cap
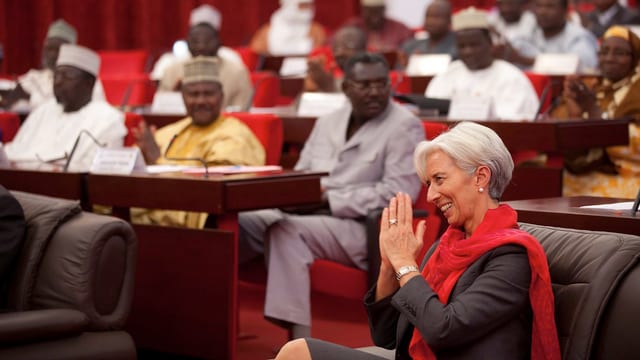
pixel 206 14
pixel 63 30
pixel 80 57
pixel 469 18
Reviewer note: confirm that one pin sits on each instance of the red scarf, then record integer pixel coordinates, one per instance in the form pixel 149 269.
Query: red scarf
pixel 453 256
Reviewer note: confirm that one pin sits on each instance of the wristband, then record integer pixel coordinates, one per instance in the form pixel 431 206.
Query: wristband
pixel 404 270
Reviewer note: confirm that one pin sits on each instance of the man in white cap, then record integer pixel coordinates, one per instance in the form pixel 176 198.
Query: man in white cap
pixel 36 86
pixel 291 30
pixel 202 14
pixel 50 131
pixel 203 40
pixel 205 134
pixel 383 34
pixel 478 75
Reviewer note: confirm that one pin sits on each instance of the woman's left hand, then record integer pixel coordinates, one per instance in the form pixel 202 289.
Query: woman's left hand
pixel 398 244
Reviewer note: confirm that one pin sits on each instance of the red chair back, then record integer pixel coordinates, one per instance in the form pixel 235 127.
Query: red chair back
pixel 268 129
pixel 131 120
pixel 249 57
pixel 400 82
pixel 118 62
pixel 266 87
pixel 9 125
pixel 541 82
pixel 128 89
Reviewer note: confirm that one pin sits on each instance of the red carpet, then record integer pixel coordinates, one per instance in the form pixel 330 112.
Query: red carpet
pixel 334 319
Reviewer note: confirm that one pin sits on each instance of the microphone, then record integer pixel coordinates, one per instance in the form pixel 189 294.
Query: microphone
pixel 75 146
pixel 636 204
pixel 201 160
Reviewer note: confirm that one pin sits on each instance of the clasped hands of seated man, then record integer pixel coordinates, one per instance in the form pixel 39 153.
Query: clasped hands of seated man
pixel 399 245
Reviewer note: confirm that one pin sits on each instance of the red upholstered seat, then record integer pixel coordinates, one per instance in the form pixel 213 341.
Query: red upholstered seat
pixel 9 125
pixel 268 129
pixel 131 120
pixel 541 82
pixel 249 57
pixel 266 87
pixel 128 89
pixel 400 82
pixel 118 62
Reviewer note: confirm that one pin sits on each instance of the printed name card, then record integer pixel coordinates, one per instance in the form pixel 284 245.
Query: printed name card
pixel 428 64
pixel 294 67
pixel 556 64
pixel 168 102
pixel 121 161
pixel 470 107
pixel 318 104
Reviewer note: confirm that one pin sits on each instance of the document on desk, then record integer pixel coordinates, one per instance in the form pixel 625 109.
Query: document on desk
pixel 159 169
pixel 626 205
pixel 234 169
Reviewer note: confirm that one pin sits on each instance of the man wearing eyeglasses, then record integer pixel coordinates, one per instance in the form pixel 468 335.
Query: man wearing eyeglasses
pixel 52 130
pixel 366 147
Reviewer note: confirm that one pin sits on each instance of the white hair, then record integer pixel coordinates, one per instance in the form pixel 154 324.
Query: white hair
pixel 470 145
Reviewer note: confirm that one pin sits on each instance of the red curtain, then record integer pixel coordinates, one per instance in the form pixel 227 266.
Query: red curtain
pixel 130 24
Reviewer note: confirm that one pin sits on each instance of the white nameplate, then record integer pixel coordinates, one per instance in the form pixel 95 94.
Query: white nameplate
pixel 168 102
pixel 428 64
pixel 318 104
pixel 4 159
pixel 470 107
pixel 294 67
pixel 122 161
pixel 556 64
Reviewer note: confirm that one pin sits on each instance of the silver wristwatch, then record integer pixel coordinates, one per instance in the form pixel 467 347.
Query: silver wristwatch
pixel 404 270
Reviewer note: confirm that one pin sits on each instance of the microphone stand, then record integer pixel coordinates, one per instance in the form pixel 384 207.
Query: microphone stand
pixel 75 147
pixel 201 160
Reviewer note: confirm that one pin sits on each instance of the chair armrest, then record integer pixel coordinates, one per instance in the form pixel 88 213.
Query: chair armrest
pixel 38 325
pixel 89 265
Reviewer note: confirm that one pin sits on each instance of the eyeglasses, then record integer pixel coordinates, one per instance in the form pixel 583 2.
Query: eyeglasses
pixel 362 85
pixel 613 51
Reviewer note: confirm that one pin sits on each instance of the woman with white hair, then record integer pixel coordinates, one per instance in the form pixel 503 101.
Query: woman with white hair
pixel 483 290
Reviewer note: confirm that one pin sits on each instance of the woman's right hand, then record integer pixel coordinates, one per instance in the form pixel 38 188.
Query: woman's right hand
pixel 579 98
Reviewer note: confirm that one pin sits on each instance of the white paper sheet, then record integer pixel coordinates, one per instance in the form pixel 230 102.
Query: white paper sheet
pixel 614 206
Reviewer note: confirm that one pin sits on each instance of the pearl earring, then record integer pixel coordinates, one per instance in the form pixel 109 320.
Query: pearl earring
pixel 481 189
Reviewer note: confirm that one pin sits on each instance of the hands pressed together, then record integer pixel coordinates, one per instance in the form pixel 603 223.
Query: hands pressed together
pixel 399 245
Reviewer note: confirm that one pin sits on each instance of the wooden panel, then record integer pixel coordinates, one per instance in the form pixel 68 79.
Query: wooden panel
pixel 185 299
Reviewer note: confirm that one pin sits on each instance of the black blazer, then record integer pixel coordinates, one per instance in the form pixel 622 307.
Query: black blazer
pixel 488 315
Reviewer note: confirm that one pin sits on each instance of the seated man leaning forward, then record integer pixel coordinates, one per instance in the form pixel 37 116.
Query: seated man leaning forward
pixel 483 290
pixel 52 129
pixel 366 148
pixel 205 134
pixel 478 74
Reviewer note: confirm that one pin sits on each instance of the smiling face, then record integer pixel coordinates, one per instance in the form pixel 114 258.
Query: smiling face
pixel 453 191
pixel 474 48
pixel 615 58
pixel 203 101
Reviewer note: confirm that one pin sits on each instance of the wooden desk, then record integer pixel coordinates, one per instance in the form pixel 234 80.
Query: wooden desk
pixel 566 212
pixel 46 180
pixel 186 283
pixel 185 299
pixel 419 83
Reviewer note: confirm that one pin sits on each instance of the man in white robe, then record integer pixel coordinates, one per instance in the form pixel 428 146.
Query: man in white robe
pixel 478 76
pixel 36 86
pixel 51 131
